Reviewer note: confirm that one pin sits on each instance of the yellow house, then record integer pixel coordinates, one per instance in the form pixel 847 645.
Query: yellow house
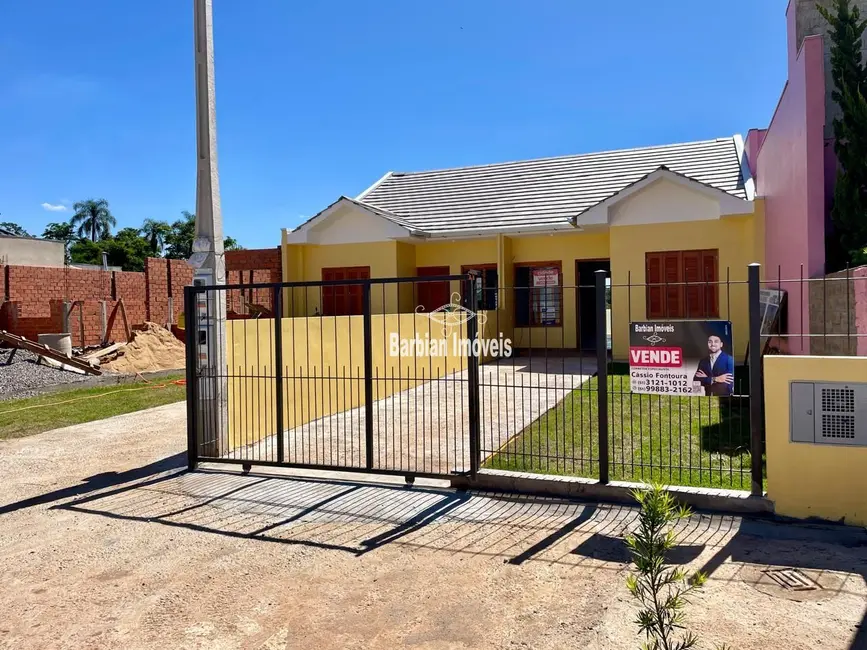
pixel 675 226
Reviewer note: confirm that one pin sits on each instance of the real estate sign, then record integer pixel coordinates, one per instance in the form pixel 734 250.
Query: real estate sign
pixel 681 358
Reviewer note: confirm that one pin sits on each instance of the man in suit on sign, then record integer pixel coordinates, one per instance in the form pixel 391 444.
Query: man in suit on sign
pixel 716 371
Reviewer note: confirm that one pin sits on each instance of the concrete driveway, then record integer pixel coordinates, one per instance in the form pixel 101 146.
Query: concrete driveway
pixel 107 542
pixel 426 429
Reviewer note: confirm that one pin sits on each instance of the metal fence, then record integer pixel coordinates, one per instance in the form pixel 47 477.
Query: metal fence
pixel 561 403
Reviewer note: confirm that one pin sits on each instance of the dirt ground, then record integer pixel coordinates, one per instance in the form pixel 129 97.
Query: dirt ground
pixel 106 542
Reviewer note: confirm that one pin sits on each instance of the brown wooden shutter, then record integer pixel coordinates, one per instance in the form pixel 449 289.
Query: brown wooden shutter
pixel 710 274
pixel 672 276
pixel 653 280
pixel 693 276
pixel 432 295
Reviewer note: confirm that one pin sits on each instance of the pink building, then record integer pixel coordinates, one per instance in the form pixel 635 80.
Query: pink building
pixel 794 168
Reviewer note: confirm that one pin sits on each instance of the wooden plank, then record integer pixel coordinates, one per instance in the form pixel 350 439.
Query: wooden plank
pixel 125 322
pixel 99 354
pixel 45 351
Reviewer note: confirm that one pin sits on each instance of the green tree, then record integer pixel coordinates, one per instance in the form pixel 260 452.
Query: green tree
pixel 93 219
pixel 84 251
pixel 59 232
pixel 231 244
pixel 13 229
pixel 662 591
pixel 179 242
pixel 128 250
pixel 156 233
pixel 849 213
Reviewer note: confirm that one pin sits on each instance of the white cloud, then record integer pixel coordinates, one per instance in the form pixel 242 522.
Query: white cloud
pixel 54 208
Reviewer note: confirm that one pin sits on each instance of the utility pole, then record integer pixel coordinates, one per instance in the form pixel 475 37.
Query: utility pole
pixel 207 258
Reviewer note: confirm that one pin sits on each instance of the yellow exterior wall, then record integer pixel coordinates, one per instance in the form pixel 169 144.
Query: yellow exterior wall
pixel 331 347
pixel 565 248
pixel 733 236
pixel 455 254
pixel 739 239
pixel 808 480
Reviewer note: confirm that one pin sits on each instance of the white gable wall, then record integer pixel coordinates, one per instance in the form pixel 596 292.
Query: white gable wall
pixel 352 225
pixel 663 202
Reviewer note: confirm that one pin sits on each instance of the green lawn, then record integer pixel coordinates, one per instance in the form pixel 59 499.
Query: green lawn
pixel 697 441
pixel 24 417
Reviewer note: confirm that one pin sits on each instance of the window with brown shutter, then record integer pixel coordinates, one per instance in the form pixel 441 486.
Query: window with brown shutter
pixel 432 294
pixel 682 284
pixel 343 299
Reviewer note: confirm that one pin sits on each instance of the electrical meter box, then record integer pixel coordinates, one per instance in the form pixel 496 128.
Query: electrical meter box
pixel 828 413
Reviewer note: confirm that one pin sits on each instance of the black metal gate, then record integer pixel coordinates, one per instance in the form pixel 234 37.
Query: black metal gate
pixel 346 374
pixel 368 375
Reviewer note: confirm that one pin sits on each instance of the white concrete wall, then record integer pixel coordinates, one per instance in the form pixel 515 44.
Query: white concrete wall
pixel 351 225
pixel 24 251
pixel 664 202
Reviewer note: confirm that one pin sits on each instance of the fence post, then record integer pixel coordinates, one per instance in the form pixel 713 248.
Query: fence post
pixel 757 415
pixel 278 363
pixel 368 373
pixel 191 360
pixel 602 374
pixel 473 399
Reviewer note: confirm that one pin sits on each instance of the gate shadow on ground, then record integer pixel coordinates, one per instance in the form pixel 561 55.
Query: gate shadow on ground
pixel 99 482
pixel 817 549
pixel 357 518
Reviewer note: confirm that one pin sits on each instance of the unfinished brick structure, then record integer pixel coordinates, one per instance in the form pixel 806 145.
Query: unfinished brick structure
pixel 38 300
pixel 252 267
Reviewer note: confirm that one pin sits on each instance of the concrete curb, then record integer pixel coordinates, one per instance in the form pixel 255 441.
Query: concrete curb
pixel 711 499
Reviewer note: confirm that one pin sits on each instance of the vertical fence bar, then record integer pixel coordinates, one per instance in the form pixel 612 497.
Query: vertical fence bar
pixel 602 375
pixel 190 332
pixel 756 385
pixel 278 363
pixel 368 372
pixel 473 398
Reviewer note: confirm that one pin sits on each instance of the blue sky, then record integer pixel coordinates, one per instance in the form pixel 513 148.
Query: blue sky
pixel 315 100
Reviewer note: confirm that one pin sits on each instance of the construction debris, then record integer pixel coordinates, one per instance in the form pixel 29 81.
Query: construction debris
pixel 47 353
pixel 152 348
pixel 101 353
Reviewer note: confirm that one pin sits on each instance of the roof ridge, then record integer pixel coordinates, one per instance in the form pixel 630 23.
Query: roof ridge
pixel 561 157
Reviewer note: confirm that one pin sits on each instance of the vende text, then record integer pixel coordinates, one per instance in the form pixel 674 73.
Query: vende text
pixel 656 357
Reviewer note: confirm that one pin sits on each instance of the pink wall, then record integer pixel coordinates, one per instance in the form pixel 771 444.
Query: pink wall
pixel 790 175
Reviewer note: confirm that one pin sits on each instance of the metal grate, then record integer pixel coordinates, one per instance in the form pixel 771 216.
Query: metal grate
pixel 838 400
pixel 835 425
pixel 792 579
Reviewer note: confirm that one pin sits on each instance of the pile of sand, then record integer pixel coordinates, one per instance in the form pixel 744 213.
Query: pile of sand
pixel 152 348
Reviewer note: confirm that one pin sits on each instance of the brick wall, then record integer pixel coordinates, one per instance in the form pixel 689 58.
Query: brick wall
pixel 254 266
pixel 838 308
pixel 32 297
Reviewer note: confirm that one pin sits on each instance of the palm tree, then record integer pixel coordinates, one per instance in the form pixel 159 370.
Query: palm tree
pixel 93 219
pixel 155 231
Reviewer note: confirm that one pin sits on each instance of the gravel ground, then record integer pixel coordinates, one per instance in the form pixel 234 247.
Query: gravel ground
pixel 106 542
pixel 24 377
